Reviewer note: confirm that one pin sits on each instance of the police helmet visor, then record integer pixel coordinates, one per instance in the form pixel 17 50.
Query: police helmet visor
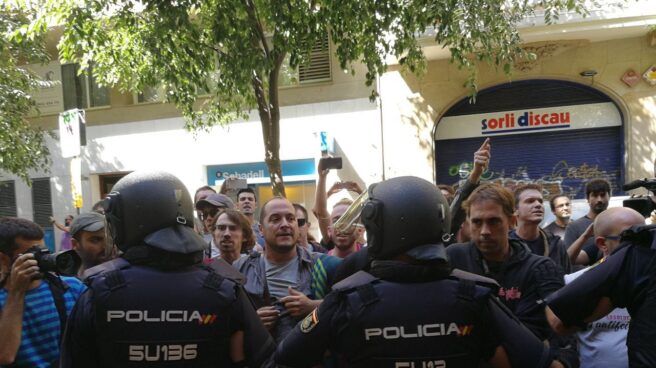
pixel 112 218
pixel 351 217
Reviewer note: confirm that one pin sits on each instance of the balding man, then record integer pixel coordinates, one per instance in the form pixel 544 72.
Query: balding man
pixel 286 282
pixel 604 340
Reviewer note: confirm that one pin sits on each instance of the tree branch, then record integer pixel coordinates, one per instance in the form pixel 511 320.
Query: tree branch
pixel 252 14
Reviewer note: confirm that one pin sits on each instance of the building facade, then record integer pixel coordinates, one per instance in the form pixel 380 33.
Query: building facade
pixel 580 109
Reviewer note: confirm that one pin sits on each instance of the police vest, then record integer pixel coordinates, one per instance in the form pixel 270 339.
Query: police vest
pixel 144 316
pixel 432 324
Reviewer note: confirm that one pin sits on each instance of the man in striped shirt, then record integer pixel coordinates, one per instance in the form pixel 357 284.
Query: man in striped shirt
pixel 32 308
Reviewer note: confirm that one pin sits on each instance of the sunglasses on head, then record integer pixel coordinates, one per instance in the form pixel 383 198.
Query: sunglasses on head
pixel 301 222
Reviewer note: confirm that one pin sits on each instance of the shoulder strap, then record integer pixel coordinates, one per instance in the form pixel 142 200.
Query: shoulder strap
pixel 477 279
pixel 225 270
pixel 466 289
pixel 545 239
pixel 57 289
pixel 367 294
pixel 213 280
pixel 114 264
pixel 361 286
pixel 352 282
pixel 114 279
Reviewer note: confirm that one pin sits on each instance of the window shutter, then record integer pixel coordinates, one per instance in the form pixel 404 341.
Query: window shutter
pixel 8 199
pixel 318 67
pixel 41 201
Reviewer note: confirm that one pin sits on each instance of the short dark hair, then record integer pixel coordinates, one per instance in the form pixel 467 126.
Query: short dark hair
pixel 524 187
pixel 264 206
pixel 596 186
pixel 237 217
pixel 246 190
pixel 552 200
pixel 300 207
pixel 14 227
pixel 492 192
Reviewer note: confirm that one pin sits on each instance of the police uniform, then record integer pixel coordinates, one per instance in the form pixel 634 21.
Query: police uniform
pixel 409 311
pixel 628 278
pixel 366 321
pixel 158 305
pixel 133 316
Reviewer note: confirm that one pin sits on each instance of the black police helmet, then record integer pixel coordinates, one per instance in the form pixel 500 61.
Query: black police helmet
pixel 403 215
pixel 152 208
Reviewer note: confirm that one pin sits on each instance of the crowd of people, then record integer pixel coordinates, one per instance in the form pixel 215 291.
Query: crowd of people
pixel 442 278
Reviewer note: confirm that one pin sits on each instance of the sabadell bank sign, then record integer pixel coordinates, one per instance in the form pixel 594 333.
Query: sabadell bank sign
pixel 529 121
pixel 258 172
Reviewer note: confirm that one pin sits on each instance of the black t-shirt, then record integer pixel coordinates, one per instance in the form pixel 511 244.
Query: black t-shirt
pixel 536 246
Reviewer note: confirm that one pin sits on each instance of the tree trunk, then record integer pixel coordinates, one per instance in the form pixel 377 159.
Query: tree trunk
pixel 269 110
pixel 271 135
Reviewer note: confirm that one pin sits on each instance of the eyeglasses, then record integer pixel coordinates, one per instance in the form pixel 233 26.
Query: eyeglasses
pixel 223 227
pixel 210 213
pixel 613 237
pixel 301 222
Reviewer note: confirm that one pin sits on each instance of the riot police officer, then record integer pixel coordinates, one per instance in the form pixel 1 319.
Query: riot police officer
pixel 410 309
pixel 625 279
pixel 158 305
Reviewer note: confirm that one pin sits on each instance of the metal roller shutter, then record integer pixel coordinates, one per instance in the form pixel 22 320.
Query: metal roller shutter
pixel 560 161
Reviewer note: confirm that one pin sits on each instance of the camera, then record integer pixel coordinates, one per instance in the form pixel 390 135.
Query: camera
pixel 65 263
pixel 642 203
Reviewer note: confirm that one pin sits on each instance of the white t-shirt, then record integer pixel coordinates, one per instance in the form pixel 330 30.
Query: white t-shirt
pixel 604 342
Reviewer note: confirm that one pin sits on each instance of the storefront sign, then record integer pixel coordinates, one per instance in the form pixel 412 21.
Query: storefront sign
pixel 529 121
pixel 258 172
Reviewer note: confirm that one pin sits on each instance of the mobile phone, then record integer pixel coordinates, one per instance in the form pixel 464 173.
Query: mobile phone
pixel 234 183
pixel 327 163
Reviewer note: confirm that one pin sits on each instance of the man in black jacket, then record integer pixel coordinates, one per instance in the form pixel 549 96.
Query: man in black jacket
pixel 525 278
pixel 529 208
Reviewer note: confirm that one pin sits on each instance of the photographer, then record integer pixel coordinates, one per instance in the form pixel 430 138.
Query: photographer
pixel 33 304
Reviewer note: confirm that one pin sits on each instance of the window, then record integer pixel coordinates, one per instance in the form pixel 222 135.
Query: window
pixel 41 201
pixel 316 70
pixel 7 199
pixel 82 91
pixel 107 182
pixel 152 94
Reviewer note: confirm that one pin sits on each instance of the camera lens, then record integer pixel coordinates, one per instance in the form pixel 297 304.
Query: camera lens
pixel 67 263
